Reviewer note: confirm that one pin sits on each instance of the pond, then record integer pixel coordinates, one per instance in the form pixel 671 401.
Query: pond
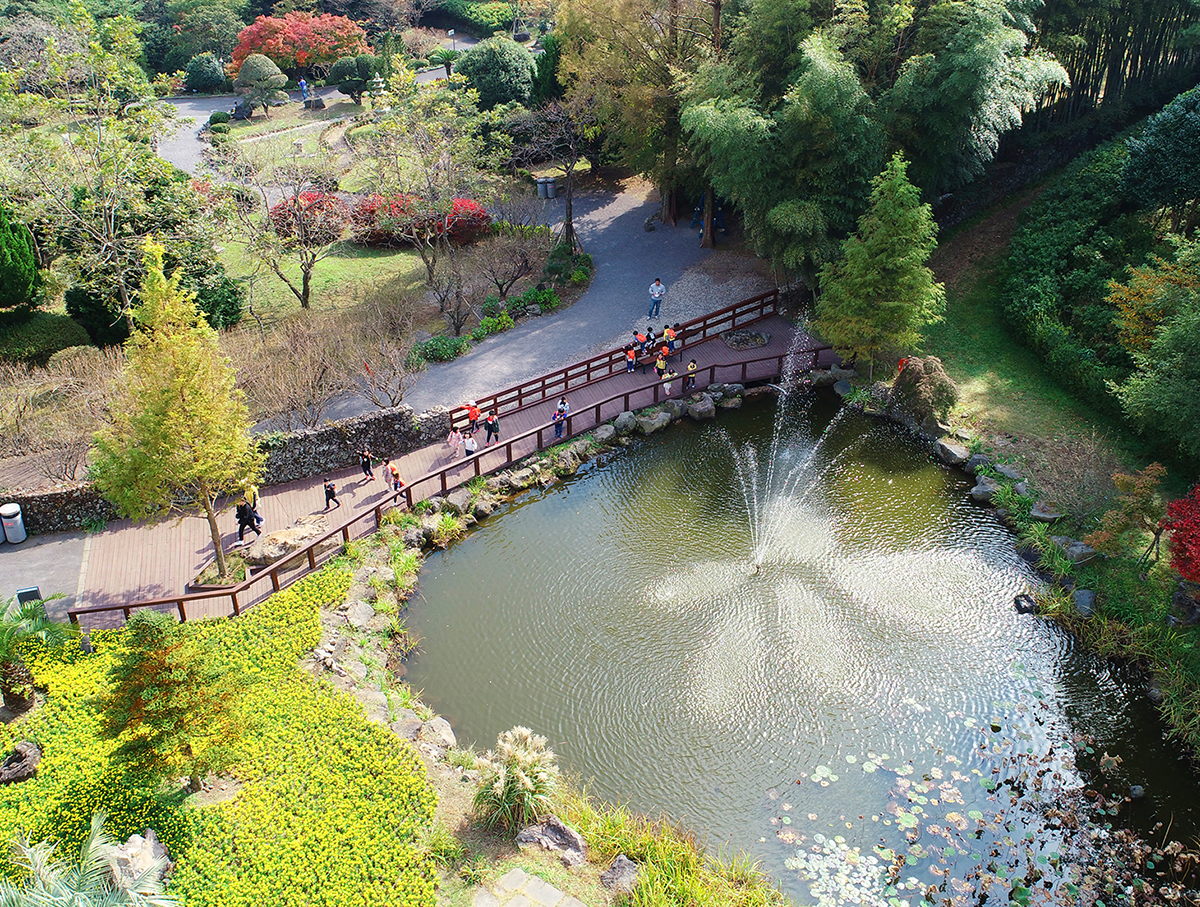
pixel 792 631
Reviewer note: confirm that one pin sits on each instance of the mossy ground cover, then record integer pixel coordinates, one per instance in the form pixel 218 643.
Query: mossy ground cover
pixel 330 806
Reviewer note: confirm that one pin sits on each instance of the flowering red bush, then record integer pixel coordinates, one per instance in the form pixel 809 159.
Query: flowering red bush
pixel 1183 519
pixel 311 218
pixel 387 220
pixel 300 40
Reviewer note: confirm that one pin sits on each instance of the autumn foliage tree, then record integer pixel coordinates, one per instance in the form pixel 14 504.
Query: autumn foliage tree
pixel 300 41
pixel 1139 511
pixel 1183 519
pixel 1153 294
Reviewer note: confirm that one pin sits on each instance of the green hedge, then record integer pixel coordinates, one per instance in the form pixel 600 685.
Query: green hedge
pixel 1080 234
pixel 483 18
pixel 330 803
pixel 442 348
pixel 34 339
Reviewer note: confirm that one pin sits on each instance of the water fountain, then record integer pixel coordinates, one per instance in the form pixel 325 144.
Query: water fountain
pixel 790 631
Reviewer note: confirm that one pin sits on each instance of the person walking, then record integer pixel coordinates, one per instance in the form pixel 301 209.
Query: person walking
pixel 455 440
pixel 246 520
pixel 492 426
pixel 472 418
pixel 303 86
pixel 660 366
pixel 397 482
pixel 668 377
pixel 657 291
pixel 251 498
pixel 391 474
pixel 690 381
pixel 630 357
pixel 364 460
pixel 470 446
pixel 331 494
pixel 669 336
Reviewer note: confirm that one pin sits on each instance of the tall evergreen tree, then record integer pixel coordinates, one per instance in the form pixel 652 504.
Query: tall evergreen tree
pixel 180 432
pixel 880 293
pixel 20 280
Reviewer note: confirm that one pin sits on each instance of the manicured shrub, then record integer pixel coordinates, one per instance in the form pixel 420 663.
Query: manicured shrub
pixel 547 299
pixel 500 69
pixel 315 218
pixel 219 129
pixel 204 73
pixel 442 348
pixel 219 116
pixel 483 18
pixel 38 337
pixel 379 220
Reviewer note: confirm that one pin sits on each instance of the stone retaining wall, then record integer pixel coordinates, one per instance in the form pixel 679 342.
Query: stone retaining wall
pixel 294 455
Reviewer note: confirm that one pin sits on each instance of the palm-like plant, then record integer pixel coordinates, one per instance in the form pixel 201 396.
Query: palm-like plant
pixel 88 882
pixel 24 621
pixel 444 57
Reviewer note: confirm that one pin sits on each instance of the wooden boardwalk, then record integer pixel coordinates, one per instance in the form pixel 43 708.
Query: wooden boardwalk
pixel 129 564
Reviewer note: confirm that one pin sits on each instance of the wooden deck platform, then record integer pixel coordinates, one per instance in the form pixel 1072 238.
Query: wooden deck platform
pixel 128 564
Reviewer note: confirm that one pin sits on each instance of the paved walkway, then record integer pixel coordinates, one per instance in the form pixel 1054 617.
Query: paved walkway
pixel 128 562
pixel 517 888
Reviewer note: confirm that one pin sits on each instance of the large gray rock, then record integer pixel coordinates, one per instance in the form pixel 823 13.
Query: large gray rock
pixel 278 545
pixel 621 876
pixel 407 725
pixel 413 537
pixel 820 377
pixel 604 434
pixel 1008 472
pixel 703 408
pixel 375 704
pixel 21 763
pixel 555 835
pixel 843 387
pixel 1084 601
pixel 652 422
pixel 745 339
pixel 567 462
pixel 141 855
pixel 977 461
pixel 523 478
pixel 483 508
pixel 438 732
pixel 459 500
pixel 1075 551
pixel 985 489
pixel 734 390
pixel 839 373
pixel 625 423
pixel 728 402
pixel 359 614
pixel 1042 513
pixel 951 453
pixel 677 408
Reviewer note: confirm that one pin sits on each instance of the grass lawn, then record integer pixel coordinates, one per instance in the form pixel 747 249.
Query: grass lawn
pixel 337 280
pixel 292 115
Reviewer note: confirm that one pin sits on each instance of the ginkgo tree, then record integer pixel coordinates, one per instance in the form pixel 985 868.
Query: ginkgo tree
pixel 178 433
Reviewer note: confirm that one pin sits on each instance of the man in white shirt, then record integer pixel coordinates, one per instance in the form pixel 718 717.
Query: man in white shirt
pixel 657 291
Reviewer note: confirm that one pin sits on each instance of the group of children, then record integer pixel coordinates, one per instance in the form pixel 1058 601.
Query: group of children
pixel 465 441
pixel 247 512
pixel 366 460
pixel 645 340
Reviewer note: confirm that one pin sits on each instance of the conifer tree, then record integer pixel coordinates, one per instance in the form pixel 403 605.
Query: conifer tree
pixel 880 293
pixel 179 432
pixel 20 280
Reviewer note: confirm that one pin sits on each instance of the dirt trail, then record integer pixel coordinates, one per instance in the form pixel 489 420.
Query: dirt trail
pixel 979 241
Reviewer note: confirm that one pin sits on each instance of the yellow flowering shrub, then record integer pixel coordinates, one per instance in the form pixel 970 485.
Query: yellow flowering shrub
pixel 331 804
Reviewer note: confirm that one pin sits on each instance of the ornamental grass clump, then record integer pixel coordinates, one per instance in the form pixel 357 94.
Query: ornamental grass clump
pixel 516 780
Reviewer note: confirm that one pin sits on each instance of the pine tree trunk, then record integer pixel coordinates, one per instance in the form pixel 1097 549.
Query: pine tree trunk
pixel 211 514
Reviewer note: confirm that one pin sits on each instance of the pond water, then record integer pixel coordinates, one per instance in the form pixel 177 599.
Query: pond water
pixel 793 632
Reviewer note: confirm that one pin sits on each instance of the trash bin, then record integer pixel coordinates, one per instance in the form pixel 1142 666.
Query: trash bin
pixel 14 525
pixel 551 188
pixel 541 184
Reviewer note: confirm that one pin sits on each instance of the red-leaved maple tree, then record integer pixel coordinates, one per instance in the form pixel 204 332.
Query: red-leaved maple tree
pixel 300 41
pixel 1183 519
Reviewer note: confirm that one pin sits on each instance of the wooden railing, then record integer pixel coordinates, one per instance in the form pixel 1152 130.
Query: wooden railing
pixel 233 600
pixel 589 371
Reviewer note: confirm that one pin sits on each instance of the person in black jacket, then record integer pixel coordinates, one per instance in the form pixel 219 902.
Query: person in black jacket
pixel 246 520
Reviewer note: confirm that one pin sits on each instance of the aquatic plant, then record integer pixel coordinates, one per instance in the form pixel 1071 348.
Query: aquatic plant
pixel 516 780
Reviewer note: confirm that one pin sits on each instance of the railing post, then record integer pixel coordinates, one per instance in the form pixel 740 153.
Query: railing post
pixel 237 609
pixel 346 534
pixel 408 497
pixel 274 579
pixel 442 476
pixel 182 611
pixel 378 516
pixel 312 558
pixel 128 612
